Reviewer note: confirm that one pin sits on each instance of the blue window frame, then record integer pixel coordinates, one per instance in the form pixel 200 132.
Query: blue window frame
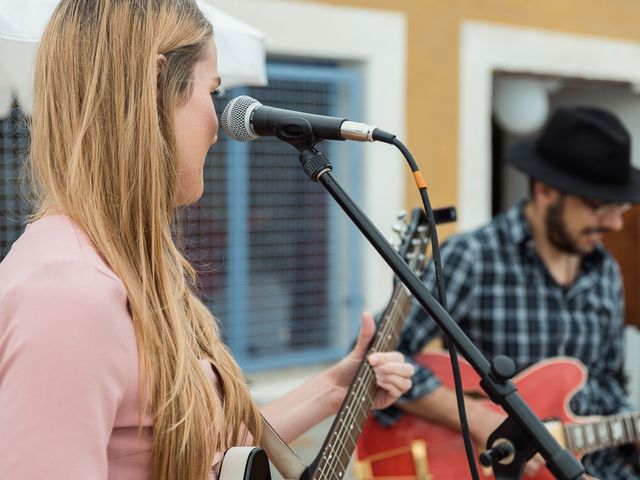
pixel 284 275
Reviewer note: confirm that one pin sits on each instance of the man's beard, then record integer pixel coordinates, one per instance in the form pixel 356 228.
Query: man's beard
pixel 557 233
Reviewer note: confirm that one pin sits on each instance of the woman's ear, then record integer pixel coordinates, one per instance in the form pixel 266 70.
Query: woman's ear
pixel 161 61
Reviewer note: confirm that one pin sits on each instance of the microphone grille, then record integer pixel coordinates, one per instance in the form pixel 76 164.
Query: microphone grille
pixel 235 118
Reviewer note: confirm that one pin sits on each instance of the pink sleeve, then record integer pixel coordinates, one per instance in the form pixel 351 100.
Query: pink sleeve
pixel 66 358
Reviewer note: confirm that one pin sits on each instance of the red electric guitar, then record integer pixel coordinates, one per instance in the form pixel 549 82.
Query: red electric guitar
pixel 416 449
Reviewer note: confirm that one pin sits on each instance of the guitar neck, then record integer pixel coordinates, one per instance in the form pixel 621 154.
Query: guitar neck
pixel 333 459
pixel 610 431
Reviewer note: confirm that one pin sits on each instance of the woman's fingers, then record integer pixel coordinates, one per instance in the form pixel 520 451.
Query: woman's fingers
pixel 367 329
pixel 393 376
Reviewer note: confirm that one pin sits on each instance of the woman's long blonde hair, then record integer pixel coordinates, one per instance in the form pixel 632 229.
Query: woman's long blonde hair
pixel 103 152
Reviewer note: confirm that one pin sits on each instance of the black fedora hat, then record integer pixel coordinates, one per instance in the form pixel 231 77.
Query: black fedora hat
pixel 584 151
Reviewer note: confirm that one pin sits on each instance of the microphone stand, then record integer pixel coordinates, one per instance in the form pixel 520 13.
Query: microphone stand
pixel 522 434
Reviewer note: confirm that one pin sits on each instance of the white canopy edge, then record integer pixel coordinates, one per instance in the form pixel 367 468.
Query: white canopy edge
pixel 241 48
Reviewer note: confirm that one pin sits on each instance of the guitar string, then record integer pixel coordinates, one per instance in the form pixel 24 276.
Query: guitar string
pixel 364 388
pixel 628 425
pixel 401 302
pixel 626 419
pixel 344 417
pixel 402 299
pixel 364 383
pixel 347 419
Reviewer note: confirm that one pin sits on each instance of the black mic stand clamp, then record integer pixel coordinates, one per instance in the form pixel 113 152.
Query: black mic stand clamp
pixel 299 133
pixel 508 449
pixel 314 163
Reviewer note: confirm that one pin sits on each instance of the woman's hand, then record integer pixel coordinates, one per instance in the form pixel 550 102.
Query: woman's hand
pixel 393 374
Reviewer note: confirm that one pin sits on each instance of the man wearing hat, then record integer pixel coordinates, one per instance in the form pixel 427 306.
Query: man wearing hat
pixel 536 282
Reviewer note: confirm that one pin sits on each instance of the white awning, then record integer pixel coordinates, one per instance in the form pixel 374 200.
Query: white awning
pixel 241 48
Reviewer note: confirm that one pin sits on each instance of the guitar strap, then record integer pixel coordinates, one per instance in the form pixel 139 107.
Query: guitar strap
pixel 283 458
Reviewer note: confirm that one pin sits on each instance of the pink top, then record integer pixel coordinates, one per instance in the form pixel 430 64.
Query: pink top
pixel 68 362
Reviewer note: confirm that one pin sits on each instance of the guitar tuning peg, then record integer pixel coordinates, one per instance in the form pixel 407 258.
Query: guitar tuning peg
pixel 398 228
pixel 402 214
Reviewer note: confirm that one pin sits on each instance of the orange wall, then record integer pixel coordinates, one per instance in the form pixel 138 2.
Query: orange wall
pixel 432 89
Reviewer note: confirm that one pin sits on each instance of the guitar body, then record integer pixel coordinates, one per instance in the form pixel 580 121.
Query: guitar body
pixel 245 463
pixel 383 452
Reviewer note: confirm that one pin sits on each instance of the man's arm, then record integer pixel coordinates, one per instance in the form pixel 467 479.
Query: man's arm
pixel 440 407
pixel 609 375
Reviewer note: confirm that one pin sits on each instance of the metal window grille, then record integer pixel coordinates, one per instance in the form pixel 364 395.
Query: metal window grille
pixel 278 262
pixel 13 207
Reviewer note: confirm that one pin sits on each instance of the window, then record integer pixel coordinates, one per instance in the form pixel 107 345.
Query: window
pixel 278 262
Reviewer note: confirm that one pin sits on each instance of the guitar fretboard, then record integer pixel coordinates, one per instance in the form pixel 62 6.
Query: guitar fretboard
pixel 607 432
pixel 334 457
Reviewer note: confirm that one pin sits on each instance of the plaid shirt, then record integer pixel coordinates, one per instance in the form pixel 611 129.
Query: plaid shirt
pixel 504 298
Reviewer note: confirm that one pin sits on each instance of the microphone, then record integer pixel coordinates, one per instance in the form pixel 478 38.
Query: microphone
pixel 245 119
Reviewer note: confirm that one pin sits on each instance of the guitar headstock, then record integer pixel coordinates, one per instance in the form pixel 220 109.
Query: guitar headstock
pixel 414 238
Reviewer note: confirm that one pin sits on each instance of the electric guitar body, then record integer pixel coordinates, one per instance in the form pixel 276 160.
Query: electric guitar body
pixel 414 448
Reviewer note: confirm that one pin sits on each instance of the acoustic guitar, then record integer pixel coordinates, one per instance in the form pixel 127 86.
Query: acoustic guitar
pixel 331 463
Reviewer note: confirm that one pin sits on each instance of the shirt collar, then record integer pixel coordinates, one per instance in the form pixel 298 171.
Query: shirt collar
pixel 517 224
